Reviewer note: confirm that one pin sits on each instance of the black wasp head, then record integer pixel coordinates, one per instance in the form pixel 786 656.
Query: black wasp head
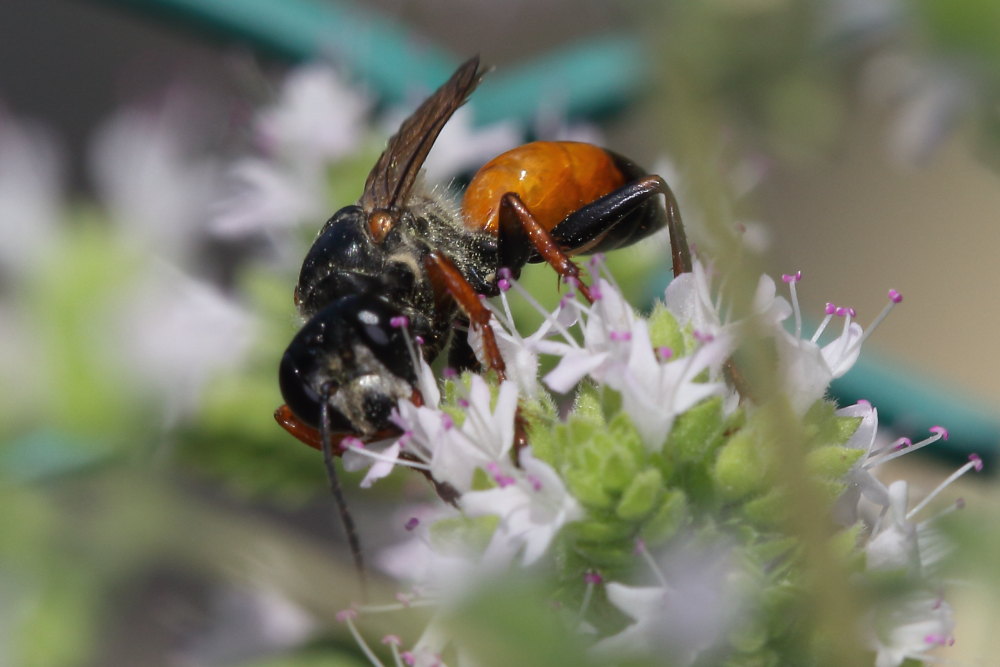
pixel 354 353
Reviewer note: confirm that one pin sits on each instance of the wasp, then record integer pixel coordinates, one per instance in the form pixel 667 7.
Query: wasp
pixel 405 254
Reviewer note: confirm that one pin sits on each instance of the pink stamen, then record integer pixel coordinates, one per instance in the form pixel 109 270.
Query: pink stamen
pixel 505 274
pixel 593 578
pixel 503 284
pixel 346 615
pixel 449 373
pixel 595 292
pixel 830 309
pixel 620 335
pixel 865 402
pixel 350 442
pixel 902 443
pixel 664 352
pixel 940 430
pixel 937 640
pixel 408 658
pixel 419 340
pixel 895 296
pixel 393 640
pixel 462 403
pixel 792 277
pixel 977 462
pixel 447 421
pixel 399 322
pixel 596 260
pixel 497 474
pixel 411 523
pixel 702 337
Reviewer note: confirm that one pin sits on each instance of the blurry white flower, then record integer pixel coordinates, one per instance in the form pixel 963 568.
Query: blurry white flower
pixel 176 332
pixel 265 197
pixel 150 178
pixel 317 119
pixel 244 624
pixel 907 629
pixel 688 612
pixel 30 192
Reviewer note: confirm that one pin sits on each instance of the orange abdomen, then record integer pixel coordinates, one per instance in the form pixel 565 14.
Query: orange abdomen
pixel 553 178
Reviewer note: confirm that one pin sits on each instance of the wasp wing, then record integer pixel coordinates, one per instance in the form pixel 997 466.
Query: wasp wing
pixel 391 179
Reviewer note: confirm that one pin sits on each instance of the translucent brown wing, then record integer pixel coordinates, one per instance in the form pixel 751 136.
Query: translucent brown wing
pixel 391 179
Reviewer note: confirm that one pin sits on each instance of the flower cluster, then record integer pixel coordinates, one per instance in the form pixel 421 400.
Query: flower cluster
pixel 658 502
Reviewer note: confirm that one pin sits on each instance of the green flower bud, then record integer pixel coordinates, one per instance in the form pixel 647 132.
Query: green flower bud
pixel 696 431
pixel 741 468
pixel 666 519
pixel 641 496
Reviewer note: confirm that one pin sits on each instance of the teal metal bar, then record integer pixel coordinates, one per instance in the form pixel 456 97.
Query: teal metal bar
pixel 587 79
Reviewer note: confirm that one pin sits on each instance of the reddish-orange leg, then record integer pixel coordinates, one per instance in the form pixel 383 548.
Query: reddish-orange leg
pixel 448 279
pixel 514 213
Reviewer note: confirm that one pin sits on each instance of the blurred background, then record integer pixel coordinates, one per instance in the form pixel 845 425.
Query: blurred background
pixel 163 166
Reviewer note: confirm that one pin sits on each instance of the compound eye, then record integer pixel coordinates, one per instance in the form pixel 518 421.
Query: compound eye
pixel 301 398
pixel 295 379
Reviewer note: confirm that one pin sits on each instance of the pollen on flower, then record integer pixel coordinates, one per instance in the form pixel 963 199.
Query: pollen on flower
pixel 399 322
pixel 940 430
pixel 664 352
pixel 411 523
pixel 592 577
pixel 895 296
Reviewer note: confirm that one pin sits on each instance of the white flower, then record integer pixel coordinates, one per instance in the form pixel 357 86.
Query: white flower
pixel 318 118
pixel 909 628
pixel 655 391
pixel 533 505
pixel 485 436
pixel 150 178
pixel 448 452
pixel 317 121
pixel 607 335
pixel 266 197
pixel 30 194
pixel 688 612
pixel 177 331
pixel 861 483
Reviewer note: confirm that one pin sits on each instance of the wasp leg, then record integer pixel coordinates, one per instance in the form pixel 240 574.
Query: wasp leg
pixel 446 277
pixel 517 224
pixel 585 229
